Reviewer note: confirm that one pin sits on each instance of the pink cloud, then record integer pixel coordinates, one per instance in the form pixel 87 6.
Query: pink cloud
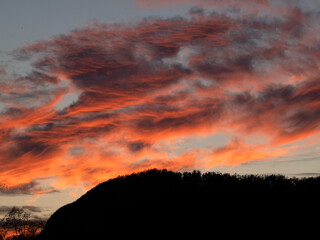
pixel 202 3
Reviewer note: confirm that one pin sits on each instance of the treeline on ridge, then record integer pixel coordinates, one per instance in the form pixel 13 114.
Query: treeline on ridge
pixel 161 200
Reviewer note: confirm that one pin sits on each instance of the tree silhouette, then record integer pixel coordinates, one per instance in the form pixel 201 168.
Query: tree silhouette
pixel 3 230
pixel 19 221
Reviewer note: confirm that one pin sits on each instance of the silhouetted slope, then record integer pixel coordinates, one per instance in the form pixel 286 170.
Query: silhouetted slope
pixel 161 201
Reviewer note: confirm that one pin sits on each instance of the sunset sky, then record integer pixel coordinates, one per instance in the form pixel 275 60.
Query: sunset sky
pixel 90 90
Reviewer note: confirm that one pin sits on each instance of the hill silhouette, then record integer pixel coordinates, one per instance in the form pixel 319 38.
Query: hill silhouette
pixel 165 202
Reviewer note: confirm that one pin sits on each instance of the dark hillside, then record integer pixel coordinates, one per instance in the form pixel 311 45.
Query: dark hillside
pixel 162 201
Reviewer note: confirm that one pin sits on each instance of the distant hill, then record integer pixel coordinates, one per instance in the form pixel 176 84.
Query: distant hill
pixel 165 202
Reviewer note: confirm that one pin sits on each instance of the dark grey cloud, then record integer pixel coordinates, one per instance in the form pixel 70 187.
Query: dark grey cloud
pixel 196 11
pixel 23 144
pixel 40 78
pixel 137 146
pixel 33 209
pixel 294 108
pixel 29 188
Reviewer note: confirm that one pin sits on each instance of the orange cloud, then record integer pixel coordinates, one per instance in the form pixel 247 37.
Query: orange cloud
pixel 236 153
pixel 139 85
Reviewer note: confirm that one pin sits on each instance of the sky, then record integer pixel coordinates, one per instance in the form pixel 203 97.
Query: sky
pixel 90 90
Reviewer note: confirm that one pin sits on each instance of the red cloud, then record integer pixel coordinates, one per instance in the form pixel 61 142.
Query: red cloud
pixel 147 83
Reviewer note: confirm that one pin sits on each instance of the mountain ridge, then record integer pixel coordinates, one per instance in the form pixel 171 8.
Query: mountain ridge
pixel 164 201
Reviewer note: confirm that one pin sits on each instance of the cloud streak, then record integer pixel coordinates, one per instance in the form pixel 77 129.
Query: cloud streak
pixel 6 209
pixel 30 188
pixel 140 86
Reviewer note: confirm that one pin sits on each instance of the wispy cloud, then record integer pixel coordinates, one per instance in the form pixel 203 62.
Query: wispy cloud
pixel 142 84
pixel 30 188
